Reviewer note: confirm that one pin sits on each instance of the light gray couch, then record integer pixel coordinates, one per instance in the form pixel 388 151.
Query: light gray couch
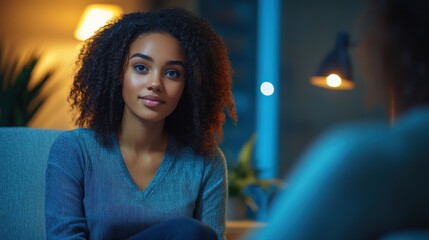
pixel 23 157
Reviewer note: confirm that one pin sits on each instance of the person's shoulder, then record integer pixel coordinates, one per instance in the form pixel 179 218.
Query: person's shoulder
pixel 414 122
pixel 80 132
pixel 355 133
pixel 371 147
pixel 216 158
pixel 350 141
pixel 411 131
pixel 343 150
pixel 74 136
pixel 375 141
pixel 409 135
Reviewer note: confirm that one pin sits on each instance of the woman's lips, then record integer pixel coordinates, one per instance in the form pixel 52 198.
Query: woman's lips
pixel 151 101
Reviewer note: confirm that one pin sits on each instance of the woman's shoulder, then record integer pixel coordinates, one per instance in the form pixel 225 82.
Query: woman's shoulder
pixel 217 157
pixel 79 132
pixel 78 143
pixel 78 136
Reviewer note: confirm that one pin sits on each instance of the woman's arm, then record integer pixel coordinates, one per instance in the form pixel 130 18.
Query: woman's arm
pixel 64 212
pixel 211 205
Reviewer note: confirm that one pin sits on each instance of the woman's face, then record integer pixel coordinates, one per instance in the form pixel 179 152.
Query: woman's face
pixel 154 77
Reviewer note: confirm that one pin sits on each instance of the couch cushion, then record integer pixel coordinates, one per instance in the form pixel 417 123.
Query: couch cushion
pixel 23 157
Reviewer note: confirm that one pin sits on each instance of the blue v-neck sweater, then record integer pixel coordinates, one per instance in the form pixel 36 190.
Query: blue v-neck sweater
pixel 90 193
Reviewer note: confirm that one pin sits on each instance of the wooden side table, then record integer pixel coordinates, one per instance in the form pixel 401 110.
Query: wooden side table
pixel 237 229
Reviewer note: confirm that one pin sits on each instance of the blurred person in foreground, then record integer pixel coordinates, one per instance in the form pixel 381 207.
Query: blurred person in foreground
pixel 367 180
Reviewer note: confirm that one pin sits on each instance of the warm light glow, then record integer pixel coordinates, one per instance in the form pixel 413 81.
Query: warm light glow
pixel 267 88
pixel 94 17
pixel 333 80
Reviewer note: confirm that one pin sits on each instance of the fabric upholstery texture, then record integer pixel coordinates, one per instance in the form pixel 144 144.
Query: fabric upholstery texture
pixel 23 157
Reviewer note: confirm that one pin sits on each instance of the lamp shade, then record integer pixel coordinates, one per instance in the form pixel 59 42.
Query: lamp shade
pixel 94 17
pixel 335 71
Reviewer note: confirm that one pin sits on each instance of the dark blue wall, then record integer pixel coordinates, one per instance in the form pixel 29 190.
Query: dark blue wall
pixel 308 32
pixel 309 29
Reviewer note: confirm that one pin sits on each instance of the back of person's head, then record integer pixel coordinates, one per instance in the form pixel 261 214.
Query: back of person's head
pixel 396 51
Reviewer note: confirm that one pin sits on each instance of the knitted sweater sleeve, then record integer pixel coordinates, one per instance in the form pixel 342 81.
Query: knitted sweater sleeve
pixel 64 214
pixel 211 205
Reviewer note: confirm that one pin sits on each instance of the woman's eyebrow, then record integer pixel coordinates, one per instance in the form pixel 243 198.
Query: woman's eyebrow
pixel 141 55
pixel 175 62
pixel 172 62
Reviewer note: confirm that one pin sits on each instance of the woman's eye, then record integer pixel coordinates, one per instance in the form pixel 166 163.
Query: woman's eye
pixel 172 74
pixel 140 68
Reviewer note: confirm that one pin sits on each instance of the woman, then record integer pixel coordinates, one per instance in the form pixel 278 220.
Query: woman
pixel 368 180
pixel 151 89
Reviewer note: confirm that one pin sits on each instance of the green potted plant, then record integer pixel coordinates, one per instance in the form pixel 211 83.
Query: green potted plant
pixel 19 102
pixel 241 175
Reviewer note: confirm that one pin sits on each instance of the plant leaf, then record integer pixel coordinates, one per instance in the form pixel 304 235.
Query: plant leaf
pixel 19 117
pixel 18 103
pixel 245 153
pixel 32 112
pixel 34 92
pixel 7 113
pixel 24 76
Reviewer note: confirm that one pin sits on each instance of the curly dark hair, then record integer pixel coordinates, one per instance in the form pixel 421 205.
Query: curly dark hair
pixel 397 50
pixel 198 119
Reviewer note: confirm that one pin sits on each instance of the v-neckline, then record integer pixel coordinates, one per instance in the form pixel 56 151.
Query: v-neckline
pixel 165 164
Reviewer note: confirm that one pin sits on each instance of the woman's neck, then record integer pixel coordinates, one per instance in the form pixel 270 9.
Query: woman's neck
pixel 142 136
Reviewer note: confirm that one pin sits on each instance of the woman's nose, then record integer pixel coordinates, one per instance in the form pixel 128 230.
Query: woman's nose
pixel 155 83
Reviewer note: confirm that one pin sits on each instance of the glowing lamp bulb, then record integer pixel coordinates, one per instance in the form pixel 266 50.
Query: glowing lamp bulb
pixel 333 80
